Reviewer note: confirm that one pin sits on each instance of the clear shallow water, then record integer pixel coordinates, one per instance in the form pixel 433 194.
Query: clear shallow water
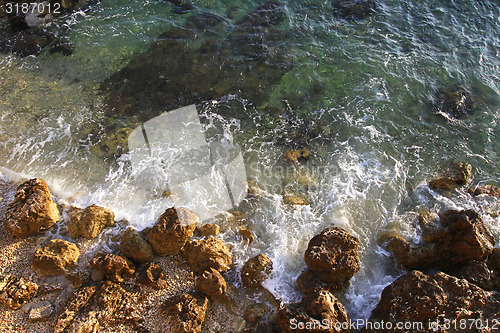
pixel 369 125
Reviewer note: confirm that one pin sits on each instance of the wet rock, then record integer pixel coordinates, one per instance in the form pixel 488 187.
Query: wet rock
pixel 255 312
pixel 211 283
pixel 416 297
pixel 32 210
pixel 114 267
pixel 290 198
pixel 153 276
pixel 490 190
pixel 312 312
pixel 309 283
pixel 457 102
pixel 46 289
pixel 333 256
pixel 494 259
pixel 92 309
pixel 78 278
pixel 476 272
pixel 15 291
pixel 412 256
pixel 40 311
pixel 247 235
pixel 187 311
pixel 256 270
pixel 207 230
pixel 56 258
pixel 451 176
pixel 90 221
pixel 296 156
pixel 355 9
pixel 134 247
pixel 172 230
pixel 207 253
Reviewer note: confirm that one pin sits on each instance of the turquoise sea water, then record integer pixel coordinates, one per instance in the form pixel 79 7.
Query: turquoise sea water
pixel 358 95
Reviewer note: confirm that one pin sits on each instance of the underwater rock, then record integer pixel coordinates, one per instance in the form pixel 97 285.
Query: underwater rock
pixel 172 230
pixel 184 67
pixel 89 222
pixel 134 247
pixel 256 270
pixel 490 190
pixel 15 291
pixel 207 253
pixel 296 156
pixel 312 312
pixel 153 275
pixel 78 278
pixel 187 311
pixel 255 312
pixel 291 198
pixel 32 210
pixel 451 176
pixel 112 266
pixel 204 21
pixel 416 297
pixel 247 235
pixel 40 311
pixel 207 230
pixel 211 283
pixel 333 256
pixel 181 6
pixel 355 9
pixel 457 102
pixel 56 258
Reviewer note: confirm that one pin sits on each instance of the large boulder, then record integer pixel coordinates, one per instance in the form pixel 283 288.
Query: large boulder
pixel 207 253
pixel 187 312
pixel 312 313
pixel 90 221
pixel 15 291
pixel 256 270
pixel 134 247
pixel 32 210
pixel 211 283
pixel 58 257
pixel 113 267
pixel 333 256
pixel 452 175
pixel 172 230
pixel 431 300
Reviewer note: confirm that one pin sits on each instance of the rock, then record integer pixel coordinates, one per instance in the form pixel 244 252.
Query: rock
pixel 40 311
pixel 46 289
pixel 90 221
pixel 256 270
pixel 211 283
pixel 78 278
pixel 153 276
pixel 452 176
pixel 15 291
pixel 32 210
pixel 114 267
pixel 255 312
pixel 92 309
pixel 207 253
pixel 476 272
pixel 416 297
pixel 457 102
pixel 490 190
pixel 207 230
pixel 56 258
pixel 247 235
pixel 187 311
pixel 290 198
pixel 355 9
pixel 313 311
pixel 494 259
pixel 134 247
pixel 204 21
pixel 296 156
pixel 172 230
pixel 181 6
pixel 333 256
pixel 309 283
pixel 457 238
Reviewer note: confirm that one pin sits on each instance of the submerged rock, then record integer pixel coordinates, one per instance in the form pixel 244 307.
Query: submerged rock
pixel 256 270
pixel 187 311
pixel 452 175
pixel 416 297
pixel 114 267
pixel 15 291
pixel 457 102
pixel 355 9
pixel 247 235
pixel 56 258
pixel 207 253
pixel 153 275
pixel 78 278
pixel 172 230
pixel 89 222
pixel 333 256
pixel 490 190
pixel 296 156
pixel 134 247
pixel 40 311
pixel 311 314
pixel 32 210
pixel 211 283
